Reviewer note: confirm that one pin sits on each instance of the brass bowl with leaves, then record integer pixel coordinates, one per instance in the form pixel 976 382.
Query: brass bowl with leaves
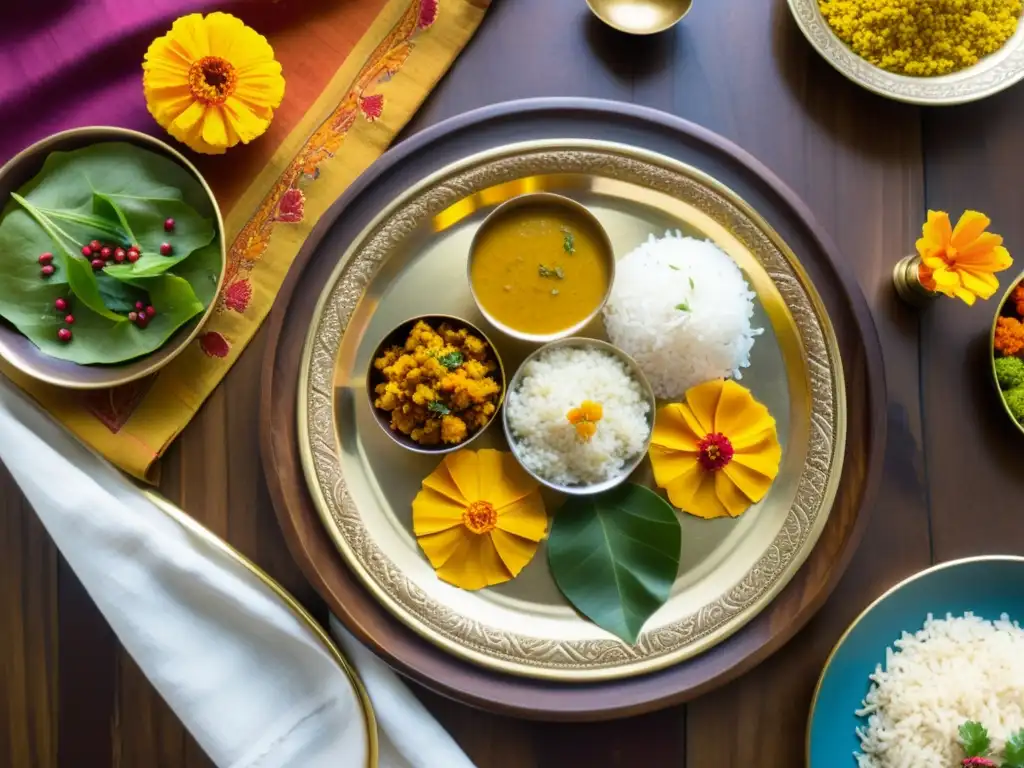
pixel 18 352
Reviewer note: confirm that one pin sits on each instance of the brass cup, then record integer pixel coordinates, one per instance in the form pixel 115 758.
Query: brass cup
pixel 552 200
pixel 640 17
pixel 907 282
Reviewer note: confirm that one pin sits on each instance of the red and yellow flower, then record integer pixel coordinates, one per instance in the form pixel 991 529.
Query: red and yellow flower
pixel 717 453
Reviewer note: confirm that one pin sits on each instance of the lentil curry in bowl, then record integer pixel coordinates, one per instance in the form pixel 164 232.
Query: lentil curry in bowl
pixel 435 383
pixel 541 267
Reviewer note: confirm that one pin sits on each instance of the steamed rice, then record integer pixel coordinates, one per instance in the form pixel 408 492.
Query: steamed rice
pixel 558 380
pixel 953 670
pixel 681 308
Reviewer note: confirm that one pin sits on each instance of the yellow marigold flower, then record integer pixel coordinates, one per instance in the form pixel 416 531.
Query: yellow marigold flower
pixel 717 453
pixel 479 518
pixel 212 82
pixel 960 262
pixel 585 419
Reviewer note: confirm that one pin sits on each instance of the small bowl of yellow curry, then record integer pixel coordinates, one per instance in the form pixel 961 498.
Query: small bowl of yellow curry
pixel 435 383
pixel 541 267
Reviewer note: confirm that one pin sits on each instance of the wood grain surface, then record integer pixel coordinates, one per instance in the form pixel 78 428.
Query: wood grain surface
pixel 867 169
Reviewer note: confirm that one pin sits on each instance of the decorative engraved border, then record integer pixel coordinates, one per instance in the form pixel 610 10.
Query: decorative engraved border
pixel 522 653
pixel 990 75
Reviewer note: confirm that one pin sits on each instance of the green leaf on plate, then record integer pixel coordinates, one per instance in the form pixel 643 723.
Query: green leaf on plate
pixel 615 556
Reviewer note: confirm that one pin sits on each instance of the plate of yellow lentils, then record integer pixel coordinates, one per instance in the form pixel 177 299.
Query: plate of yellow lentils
pixel 929 52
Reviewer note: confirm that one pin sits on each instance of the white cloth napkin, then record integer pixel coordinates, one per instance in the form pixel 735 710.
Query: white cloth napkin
pixel 250 681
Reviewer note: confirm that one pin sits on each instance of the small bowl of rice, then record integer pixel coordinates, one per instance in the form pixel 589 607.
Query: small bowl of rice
pixel 578 415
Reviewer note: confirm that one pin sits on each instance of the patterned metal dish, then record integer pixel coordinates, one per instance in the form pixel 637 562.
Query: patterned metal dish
pixel 411 260
pixel 992 74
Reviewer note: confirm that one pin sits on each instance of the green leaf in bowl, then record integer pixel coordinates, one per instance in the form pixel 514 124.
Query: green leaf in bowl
pixel 615 556
pixel 143 220
pixel 119 194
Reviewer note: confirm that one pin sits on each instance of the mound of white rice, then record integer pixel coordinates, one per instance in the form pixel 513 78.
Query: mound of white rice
pixel 681 308
pixel 558 380
pixel 953 670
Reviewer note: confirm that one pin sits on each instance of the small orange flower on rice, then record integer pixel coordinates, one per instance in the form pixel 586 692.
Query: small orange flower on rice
pixel 717 453
pixel 960 262
pixel 212 82
pixel 585 419
pixel 479 518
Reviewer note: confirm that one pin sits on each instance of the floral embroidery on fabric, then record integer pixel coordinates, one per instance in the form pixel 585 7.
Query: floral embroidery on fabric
pixel 372 106
pixel 292 206
pixel 214 345
pixel 237 295
pixel 386 60
pixel 285 201
pixel 114 406
pixel 428 13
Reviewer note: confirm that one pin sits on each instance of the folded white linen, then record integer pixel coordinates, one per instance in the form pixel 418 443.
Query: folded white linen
pixel 251 681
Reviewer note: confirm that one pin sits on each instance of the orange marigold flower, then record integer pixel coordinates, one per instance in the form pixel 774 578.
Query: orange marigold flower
pixel 1017 297
pixel 961 262
pixel 585 419
pixel 1009 335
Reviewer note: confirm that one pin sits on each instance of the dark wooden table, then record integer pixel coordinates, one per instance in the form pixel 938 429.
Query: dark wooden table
pixel 868 168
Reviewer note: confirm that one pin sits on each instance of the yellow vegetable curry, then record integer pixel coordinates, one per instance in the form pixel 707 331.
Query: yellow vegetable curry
pixel 438 386
pixel 540 269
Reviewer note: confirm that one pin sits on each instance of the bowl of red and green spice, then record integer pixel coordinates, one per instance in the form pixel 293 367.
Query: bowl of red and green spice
pixel 112 255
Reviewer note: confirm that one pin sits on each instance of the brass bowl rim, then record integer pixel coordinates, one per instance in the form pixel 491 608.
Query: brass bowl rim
pixel 111 133
pixel 553 199
pixel 640 32
pixel 407 442
pixel 992 350
pixel 586 342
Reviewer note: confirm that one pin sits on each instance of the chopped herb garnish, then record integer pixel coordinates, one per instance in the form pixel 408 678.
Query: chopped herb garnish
pixel 975 739
pixel 683 306
pixel 451 361
pixel 1013 752
pixel 555 272
pixel 436 406
pixel 692 286
pixel 568 241
pixel 673 266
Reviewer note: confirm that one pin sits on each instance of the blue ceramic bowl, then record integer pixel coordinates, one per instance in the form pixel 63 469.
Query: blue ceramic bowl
pixel 985 586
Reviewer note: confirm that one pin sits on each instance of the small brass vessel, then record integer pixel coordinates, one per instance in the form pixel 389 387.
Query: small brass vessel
pixel 907 281
pixel 640 17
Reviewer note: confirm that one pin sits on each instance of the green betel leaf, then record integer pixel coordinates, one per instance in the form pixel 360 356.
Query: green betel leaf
pixel 143 219
pixel 99 340
pixel 119 194
pixel 202 270
pixel 615 556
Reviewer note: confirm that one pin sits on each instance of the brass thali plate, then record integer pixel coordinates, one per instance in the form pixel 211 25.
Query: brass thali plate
pixel 411 260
